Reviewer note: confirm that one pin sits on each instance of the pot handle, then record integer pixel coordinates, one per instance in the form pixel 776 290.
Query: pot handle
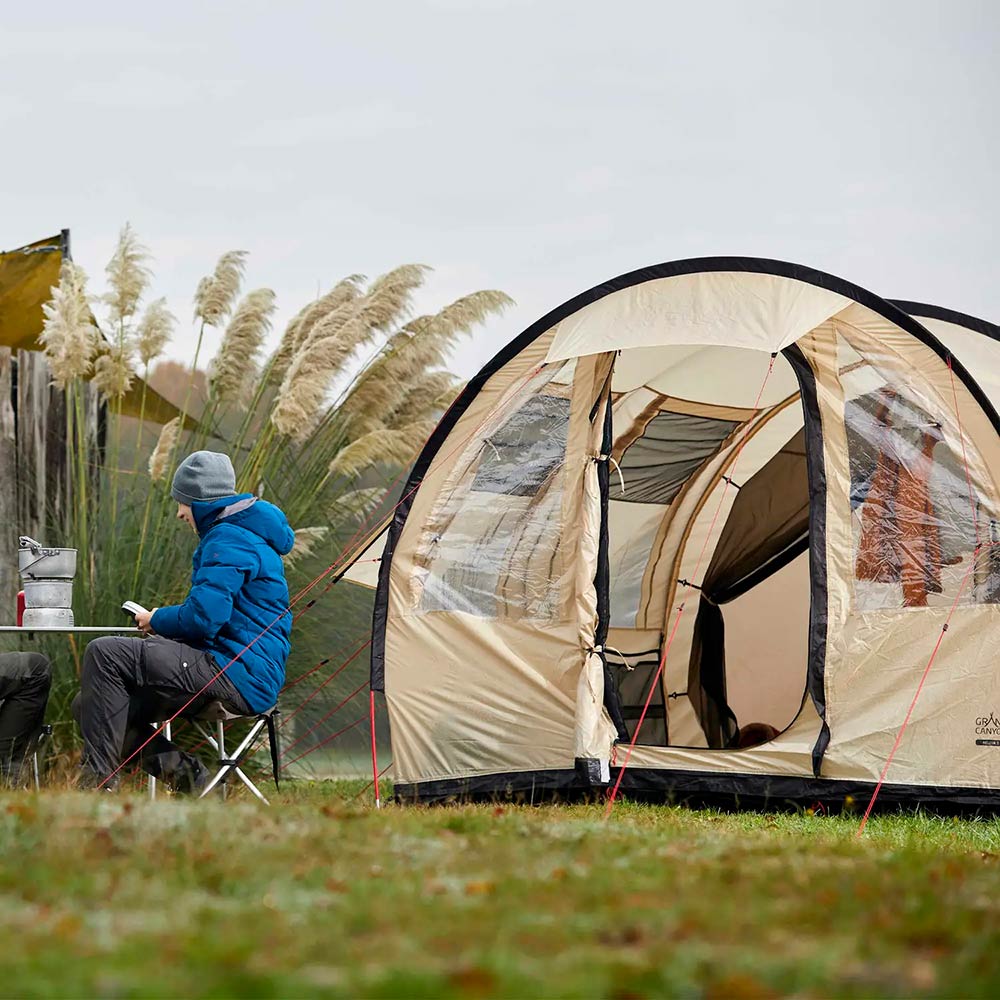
pixel 26 542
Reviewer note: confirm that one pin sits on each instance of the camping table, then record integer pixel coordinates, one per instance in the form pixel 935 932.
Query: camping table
pixel 126 629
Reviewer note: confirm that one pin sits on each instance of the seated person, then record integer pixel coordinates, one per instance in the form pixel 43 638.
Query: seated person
pixel 227 642
pixel 25 679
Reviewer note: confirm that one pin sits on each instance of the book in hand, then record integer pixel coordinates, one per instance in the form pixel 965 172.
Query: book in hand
pixel 131 608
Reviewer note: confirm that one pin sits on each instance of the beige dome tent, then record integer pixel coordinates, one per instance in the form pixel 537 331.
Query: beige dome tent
pixel 743 497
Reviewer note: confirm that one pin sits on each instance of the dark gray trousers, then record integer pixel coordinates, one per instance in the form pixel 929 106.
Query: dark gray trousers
pixel 25 679
pixel 126 684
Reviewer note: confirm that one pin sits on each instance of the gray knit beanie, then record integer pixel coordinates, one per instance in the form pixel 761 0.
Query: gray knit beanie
pixel 203 475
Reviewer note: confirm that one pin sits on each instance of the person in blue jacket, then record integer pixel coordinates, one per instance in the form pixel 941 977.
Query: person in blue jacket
pixel 227 642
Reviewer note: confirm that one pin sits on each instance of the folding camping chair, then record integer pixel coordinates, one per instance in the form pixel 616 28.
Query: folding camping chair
pixel 216 712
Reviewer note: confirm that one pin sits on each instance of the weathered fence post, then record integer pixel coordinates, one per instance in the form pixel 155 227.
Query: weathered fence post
pixel 8 489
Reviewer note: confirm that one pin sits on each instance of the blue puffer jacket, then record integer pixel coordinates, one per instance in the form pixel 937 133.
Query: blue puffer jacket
pixel 238 589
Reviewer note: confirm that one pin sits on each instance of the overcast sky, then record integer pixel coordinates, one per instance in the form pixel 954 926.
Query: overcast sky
pixel 538 147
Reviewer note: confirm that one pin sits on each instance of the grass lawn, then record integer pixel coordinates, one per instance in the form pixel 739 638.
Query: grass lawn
pixel 322 895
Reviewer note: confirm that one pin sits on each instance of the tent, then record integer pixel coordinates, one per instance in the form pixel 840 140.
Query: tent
pixel 743 498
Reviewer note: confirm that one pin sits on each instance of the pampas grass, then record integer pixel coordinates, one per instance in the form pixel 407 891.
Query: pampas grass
pixel 328 341
pixel 396 446
pixel 388 298
pixel 299 404
pixel 113 372
pixel 159 461
pixel 306 540
pixel 421 345
pixel 216 293
pixel 346 290
pixel 236 365
pixel 356 504
pixel 155 330
pixel 68 333
pixel 128 275
pixel 423 399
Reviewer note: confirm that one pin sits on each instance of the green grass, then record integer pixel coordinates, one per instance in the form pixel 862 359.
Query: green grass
pixel 322 895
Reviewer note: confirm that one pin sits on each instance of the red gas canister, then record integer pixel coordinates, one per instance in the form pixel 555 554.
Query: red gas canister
pixel 20 608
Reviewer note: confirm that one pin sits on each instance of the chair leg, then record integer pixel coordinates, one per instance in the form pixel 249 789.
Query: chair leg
pixel 43 734
pixel 253 788
pixel 272 739
pixel 230 764
pixel 220 735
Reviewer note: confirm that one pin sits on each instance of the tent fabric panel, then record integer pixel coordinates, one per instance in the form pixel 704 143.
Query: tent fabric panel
pixel 767 646
pixel 715 375
pixel 882 537
pixel 880 658
pixel 477 697
pixel 363 569
pixel 670 449
pixel 770 512
pixel 435 472
pixel 756 311
pixel 979 354
pixel 499 638
pixel 660 576
pixel 493 544
pixel 790 753
pixel 632 528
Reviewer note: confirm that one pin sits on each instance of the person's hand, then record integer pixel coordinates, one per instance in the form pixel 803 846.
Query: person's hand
pixel 142 620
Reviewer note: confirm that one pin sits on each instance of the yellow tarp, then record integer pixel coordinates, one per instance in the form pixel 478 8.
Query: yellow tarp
pixel 27 276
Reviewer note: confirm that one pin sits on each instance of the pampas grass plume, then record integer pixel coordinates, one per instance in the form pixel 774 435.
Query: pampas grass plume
pixel 128 275
pixel 236 364
pixel 155 330
pixel 159 460
pixel 357 503
pixel 306 540
pixel 216 293
pixel 302 323
pixel 419 347
pixel 68 334
pixel 396 446
pixel 113 372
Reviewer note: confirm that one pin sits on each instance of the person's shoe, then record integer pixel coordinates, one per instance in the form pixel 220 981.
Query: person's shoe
pixel 190 778
pixel 90 781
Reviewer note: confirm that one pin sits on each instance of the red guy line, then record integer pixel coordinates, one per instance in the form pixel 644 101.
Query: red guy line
pixel 916 695
pixel 339 732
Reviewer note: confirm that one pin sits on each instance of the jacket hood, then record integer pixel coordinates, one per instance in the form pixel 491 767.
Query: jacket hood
pixel 258 516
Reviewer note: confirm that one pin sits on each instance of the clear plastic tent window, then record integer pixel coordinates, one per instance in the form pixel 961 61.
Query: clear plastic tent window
pixel 491 547
pixel 914 510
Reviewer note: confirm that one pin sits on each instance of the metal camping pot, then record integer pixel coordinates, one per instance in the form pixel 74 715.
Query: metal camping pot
pixel 47 618
pixel 48 593
pixel 36 562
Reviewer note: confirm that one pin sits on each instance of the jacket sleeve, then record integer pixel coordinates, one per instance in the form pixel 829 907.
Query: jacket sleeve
pixel 226 565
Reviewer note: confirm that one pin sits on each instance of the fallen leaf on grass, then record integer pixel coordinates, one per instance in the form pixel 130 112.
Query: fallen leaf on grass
pixel 22 811
pixel 473 981
pixel 739 986
pixel 480 887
